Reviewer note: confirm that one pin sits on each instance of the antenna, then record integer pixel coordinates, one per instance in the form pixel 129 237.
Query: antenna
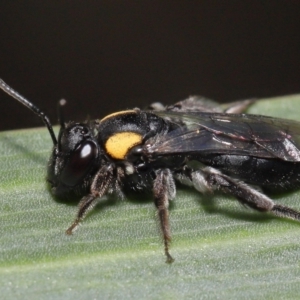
pixel 60 110
pixel 8 90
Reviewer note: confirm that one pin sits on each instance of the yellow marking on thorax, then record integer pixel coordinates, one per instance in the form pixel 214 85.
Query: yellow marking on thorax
pixel 118 145
pixel 122 112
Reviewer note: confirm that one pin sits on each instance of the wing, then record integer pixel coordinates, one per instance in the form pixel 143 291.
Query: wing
pixel 220 133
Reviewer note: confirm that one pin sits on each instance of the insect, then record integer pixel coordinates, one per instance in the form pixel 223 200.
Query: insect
pixel 195 142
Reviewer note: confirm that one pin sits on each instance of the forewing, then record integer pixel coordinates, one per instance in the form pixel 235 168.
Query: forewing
pixel 236 134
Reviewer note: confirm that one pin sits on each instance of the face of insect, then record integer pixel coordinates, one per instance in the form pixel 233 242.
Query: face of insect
pixel 74 160
pixel 195 142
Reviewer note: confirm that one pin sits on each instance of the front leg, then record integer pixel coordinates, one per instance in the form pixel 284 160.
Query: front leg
pixel 100 186
pixel 163 190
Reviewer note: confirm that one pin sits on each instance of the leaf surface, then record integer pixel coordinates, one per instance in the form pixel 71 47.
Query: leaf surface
pixel 222 250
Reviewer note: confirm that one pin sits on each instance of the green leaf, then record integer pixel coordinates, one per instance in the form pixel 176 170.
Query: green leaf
pixel 222 250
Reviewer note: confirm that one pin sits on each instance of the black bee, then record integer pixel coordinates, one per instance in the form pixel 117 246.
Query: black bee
pixel 195 142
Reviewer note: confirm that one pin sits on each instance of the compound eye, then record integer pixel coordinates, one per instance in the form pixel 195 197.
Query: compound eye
pixel 80 162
